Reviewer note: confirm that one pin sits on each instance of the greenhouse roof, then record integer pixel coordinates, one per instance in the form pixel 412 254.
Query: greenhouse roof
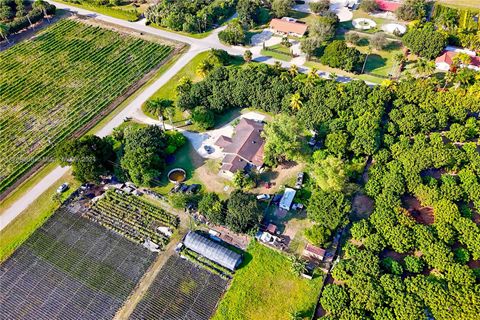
pixel 212 250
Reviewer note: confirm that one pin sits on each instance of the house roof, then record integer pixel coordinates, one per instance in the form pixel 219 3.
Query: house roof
pixel 212 250
pixel 223 141
pixel 388 5
pixel 447 57
pixel 287 198
pixel 233 163
pixel 271 228
pixel 288 26
pixel 315 250
pixel 246 145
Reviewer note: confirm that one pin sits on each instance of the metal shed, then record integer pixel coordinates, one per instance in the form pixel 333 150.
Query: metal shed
pixel 212 250
pixel 287 198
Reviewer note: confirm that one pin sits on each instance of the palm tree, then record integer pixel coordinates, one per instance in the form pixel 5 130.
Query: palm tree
pixel 447 20
pixel 285 76
pixel 247 56
pixel 298 265
pixel 462 59
pixel 313 73
pixel 424 67
pixel 296 101
pixel 277 66
pixel 293 70
pixel 42 5
pixel 368 52
pixel 4 31
pixel 295 315
pixel 203 68
pixel 449 78
pixel 332 76
pixel 170 113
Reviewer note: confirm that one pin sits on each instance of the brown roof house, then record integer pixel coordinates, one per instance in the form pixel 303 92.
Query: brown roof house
pixel 244 150
pixel 288 26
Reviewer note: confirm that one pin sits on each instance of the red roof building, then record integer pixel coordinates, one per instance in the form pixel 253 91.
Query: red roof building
pixel 390 6
pixel 445 61
pixel 314 252
pixel 288 26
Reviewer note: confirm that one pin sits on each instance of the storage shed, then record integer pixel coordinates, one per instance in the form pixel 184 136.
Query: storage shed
pixel 212 250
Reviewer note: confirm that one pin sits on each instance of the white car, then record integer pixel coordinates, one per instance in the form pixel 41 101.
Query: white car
pixel 62 188
pixel 263 196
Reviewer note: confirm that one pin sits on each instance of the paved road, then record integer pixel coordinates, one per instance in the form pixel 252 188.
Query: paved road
pixel 196 46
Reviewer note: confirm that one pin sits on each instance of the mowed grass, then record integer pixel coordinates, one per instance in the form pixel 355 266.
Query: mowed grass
pixel 53 85
pixel 265 288
pixel 125 12
pixel 15 233
pixel 278 51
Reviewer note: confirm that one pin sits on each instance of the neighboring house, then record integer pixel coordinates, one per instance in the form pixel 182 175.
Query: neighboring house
pixel 287 198
pixel 288 26
pixel 445 61
pixel 313 252
pixel 244 150
pixel 390 6
pixel 212 250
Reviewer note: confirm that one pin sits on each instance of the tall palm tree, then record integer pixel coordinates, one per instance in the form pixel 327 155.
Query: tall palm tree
pixel 170 113
pixel 313 73
pixel 4 31
pixel 285 76
pixel 277 66
pixel 293 70
pixel 296 101
pixel 332 76
pixel 203 68
pixel 42 5
pixel 424 67
pixel 368 52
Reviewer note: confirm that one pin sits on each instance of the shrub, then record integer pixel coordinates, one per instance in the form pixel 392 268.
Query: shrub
pixel 379 41
pixel 413 264
pixel 369 5
pixel 338 55
pixel 233 34
pixel 425 42
pixel 203 118
pixel 318 235
pixel 352 37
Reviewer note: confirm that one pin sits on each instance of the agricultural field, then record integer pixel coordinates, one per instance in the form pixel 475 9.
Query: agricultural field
pixel 64 79
pixel 71 268
pixel 181 290
pixel 132 217
pixel 274 292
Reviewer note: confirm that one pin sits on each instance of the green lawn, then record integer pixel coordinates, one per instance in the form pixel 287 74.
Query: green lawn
pixel 14 234
pixel 127 12
pixel 278 51
pixel 265 288
pixel 191 35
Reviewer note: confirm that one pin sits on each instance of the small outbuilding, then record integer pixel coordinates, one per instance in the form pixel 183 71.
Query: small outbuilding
pixel 287 198
pixel 314 252
pixel 212 250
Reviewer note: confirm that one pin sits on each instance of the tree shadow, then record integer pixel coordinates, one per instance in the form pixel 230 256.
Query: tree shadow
pixel 375 61
pixel 363 42
pixel 392 46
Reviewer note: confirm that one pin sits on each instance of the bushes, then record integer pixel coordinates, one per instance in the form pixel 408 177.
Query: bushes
pixel 425 41
pixel 190 16
pixel 233 34
pixel 338 55
pixel 203 118
pixel 22 21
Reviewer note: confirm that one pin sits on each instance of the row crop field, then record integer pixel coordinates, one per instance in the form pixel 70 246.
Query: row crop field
pixel 70 268
pixel 181 290
pixel 132 217
pixel 55 84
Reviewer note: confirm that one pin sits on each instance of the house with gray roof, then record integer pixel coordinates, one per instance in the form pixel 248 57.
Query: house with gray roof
pixel 243 150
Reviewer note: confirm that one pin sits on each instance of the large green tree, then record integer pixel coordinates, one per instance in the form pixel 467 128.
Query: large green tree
pixel 243 212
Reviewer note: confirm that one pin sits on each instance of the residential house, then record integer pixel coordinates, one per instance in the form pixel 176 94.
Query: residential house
pixel 313 252
pixel 390 6
pixel 288 26
pixel 445 61
pixel 244 150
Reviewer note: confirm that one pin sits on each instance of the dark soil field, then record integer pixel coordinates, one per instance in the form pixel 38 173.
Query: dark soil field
pixel 70 268
pixel 181 290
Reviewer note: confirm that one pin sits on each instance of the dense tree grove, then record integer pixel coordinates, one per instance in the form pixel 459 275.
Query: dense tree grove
pixel 16 15
pixel 425 41
pixel 421 142
pixel 190 16
pixel 338 55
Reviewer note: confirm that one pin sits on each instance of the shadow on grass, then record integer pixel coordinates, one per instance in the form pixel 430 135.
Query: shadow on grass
pixel 247 257
pixel 375 61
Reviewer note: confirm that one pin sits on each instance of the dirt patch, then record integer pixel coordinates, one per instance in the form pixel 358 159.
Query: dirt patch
pixel 362 206
pixel 394 255
pixel 238 240
pixel 271 180
pixel 421 214
pixel 207 174
pixel 474 264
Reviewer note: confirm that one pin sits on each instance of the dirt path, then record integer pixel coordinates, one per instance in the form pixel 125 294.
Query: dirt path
pixel 146 281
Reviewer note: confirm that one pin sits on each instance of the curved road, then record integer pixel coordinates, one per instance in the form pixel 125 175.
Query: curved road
pixel 196 46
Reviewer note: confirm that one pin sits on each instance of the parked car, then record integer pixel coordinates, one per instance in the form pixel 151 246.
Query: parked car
pixel 299 183
pixel 183 188
pixel 208 149
pixel 62 188
pixel 263 196
pixel 193 188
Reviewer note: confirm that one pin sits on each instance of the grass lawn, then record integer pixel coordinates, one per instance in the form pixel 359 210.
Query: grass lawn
pixel 277 51
pixel 340 72
pixel 33 217
pixel 461 4
pixel 127 12
pixel 265 288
